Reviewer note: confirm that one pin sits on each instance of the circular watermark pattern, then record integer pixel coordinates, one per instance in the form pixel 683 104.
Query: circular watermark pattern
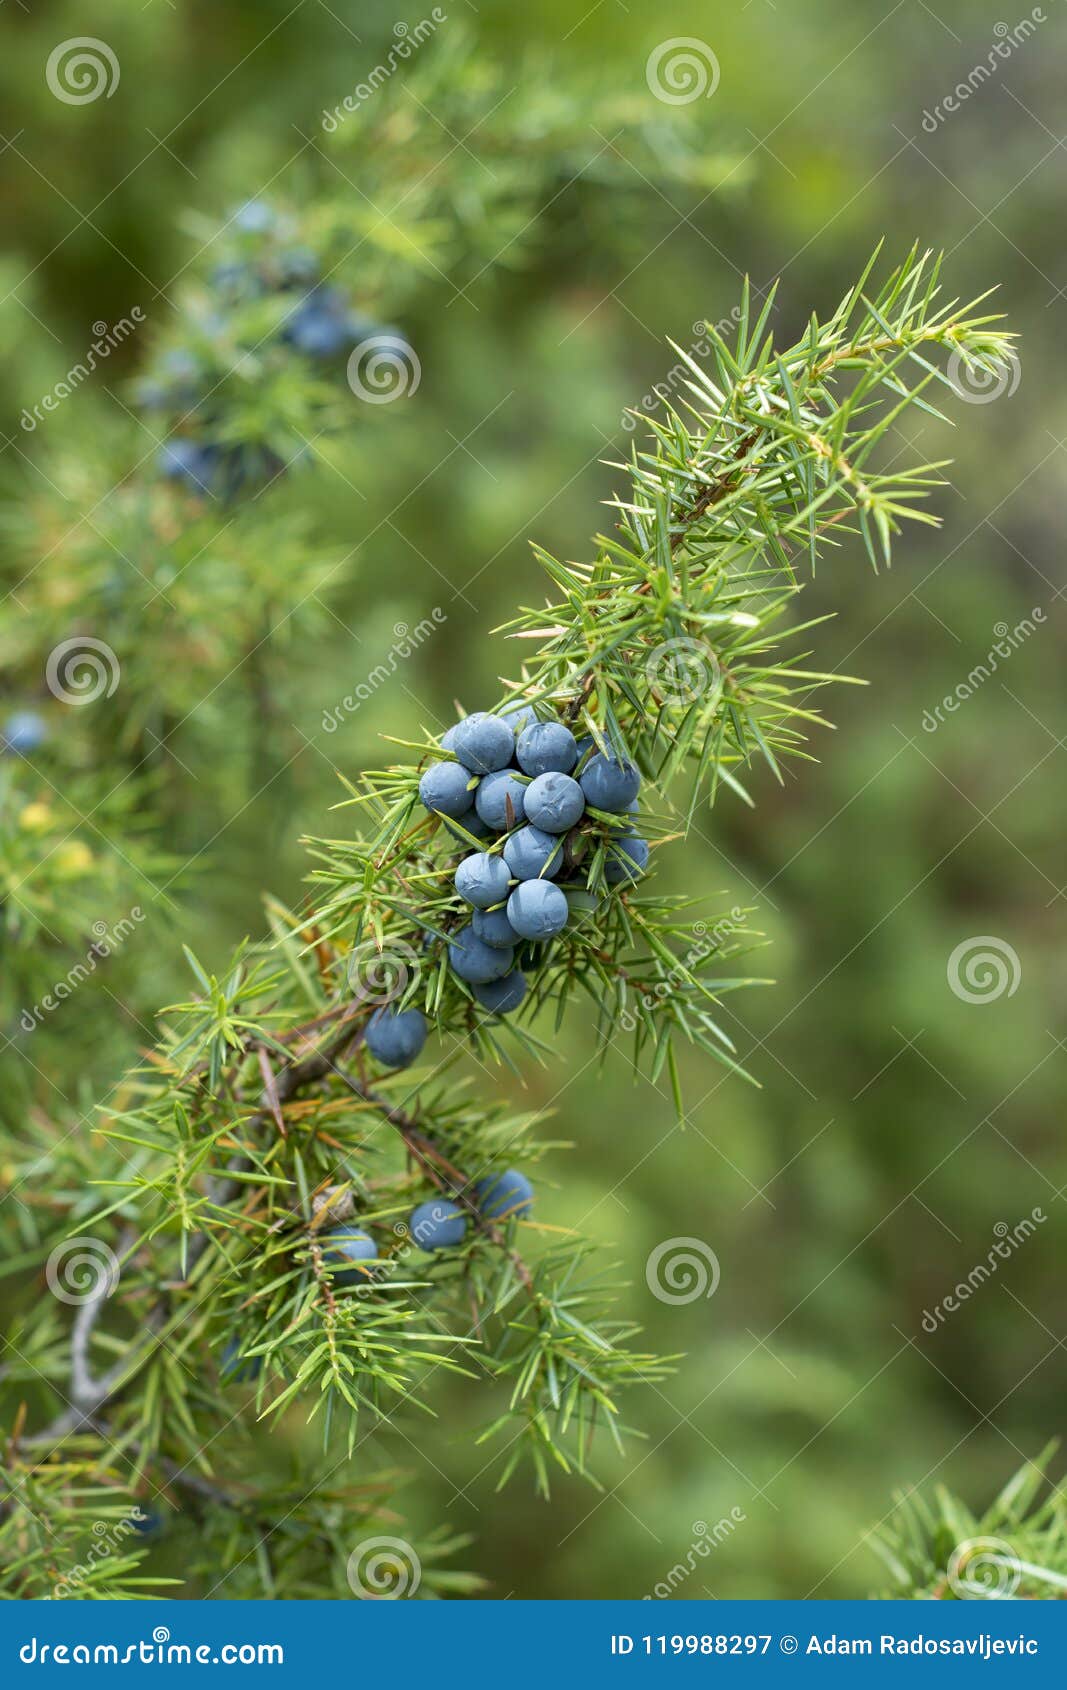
pixel 378 974
pixel 81 670
pixel 682 70
pixel 81 69
pixel 682 670
pixel 383 368
pixel 983 1568
pixel 984 968
pixel 680 1270
pixel 980 384
pixel 384 1569
pixel 81 1270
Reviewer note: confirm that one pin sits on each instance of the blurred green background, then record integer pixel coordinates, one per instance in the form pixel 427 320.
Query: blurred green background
pixel 895 1124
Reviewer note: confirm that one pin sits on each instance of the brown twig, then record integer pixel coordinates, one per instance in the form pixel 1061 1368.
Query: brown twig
pixel 88 1393
pixel 440 1170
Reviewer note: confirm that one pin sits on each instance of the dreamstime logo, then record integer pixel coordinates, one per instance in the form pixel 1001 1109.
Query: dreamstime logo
pixel 682 70
pixel 101 347
pixel 1008 640
pixel 375 1273
pixel 983 1568
pixel 81 69
pixel 408 38
pixel 81 1270
pixel 984 968
pixel 980 384
pixel 679 374
pixel 705 1539
pixel 383 368
pixel 109 1535
pixel 1007 39
pixel 379 973
pixel 405 642
pixel 705 940
pixel 160 1651
pixel 682 1269
pixel 682 670
pixel 384 1569
pixel 106 940
pixel 81 670
pixel 1008 1240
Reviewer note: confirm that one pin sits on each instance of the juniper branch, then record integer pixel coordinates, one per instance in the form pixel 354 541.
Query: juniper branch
pixel 771 450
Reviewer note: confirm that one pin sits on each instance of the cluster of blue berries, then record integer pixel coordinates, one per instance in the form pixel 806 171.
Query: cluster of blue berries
pixel 532 796
pixel 525 787
pixel 437 1224
pixel 529 791
pixel 320 325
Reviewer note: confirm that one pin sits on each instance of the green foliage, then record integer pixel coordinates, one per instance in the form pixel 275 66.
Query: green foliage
pixel 70 1530
pixel 199 602
pixel 772 452
pixel 769 455
pixel 542 122
pixel 939 1549
pixel 67 1531
pixel 204 598
pixel 259 1120
pixel 271 594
